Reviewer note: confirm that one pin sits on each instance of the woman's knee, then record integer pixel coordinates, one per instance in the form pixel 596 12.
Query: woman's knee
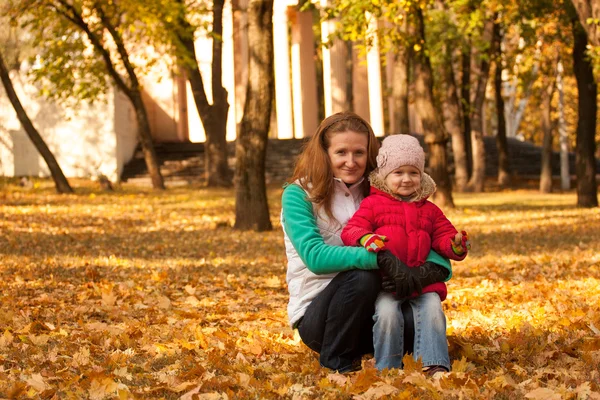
pixel 366 283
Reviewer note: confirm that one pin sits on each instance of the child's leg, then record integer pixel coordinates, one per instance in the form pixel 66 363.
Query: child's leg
pixel 431 343
pixel 388 332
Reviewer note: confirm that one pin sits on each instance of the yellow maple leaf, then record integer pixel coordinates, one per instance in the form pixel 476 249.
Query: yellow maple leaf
pixel 103 388
pixel 164 302
pixel 37 382
pixel 338 379
pixel 39 340
pixel 109 298
pixel 6 339
pixel 377 391
pixel 543 394
pixel 82 357
pixel 461 365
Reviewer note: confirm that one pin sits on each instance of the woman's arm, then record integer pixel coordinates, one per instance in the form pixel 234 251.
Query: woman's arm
pixel 300 225
pixel 435 258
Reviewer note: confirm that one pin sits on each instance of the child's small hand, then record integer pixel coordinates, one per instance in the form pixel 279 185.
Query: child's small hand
pixel 461 243
pixel 373 242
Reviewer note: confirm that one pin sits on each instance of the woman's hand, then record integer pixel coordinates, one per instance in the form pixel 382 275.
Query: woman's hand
pixel 406 279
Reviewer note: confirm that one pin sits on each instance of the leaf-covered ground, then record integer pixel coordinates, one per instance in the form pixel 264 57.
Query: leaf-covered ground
pixel 136 294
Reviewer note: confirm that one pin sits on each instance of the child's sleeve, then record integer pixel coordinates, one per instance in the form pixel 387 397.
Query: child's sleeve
pixel 443 234
pixel 359 225
pixel 300 225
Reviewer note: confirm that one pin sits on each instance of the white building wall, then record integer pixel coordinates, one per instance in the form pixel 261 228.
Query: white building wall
pixel 125 127
pixel 82 138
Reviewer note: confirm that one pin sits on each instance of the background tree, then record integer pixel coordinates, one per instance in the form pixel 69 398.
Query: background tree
pixel 213 116
pixel 477 180
pixel 82 46
pixel 445 39
pixel 504 177
pixel 251 206
pixel 588 12
pixel 436 137
pixel 60 181
pixel 585 161
pixel 549 88
pixel 400 82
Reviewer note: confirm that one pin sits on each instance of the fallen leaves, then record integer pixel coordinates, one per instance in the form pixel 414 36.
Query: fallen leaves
pixel 153 295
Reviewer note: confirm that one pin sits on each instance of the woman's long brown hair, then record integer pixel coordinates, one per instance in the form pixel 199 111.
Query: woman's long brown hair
pixel 313 168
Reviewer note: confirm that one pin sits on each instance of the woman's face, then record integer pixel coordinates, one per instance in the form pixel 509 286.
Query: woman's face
pixel 348 155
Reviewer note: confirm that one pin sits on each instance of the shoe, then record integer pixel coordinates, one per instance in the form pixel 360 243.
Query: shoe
pixel 434 369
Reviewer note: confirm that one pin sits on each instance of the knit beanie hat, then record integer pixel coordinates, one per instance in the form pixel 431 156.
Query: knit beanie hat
pixel 399 150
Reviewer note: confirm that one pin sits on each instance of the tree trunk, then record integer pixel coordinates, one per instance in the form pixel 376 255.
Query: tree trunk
pixel 501 143
pixel 60 181
pixel 565 174
pixel 452 122
pixel 588 12
pixel 546 170
pixel 436 137
pixel 585 161
pixel 146 139
pixel 465 101
pixel 476 183
pixel 133 90
pixel 213 117
pixel 251 206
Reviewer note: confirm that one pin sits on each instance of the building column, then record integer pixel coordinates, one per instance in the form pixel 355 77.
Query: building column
pixel 283 92
pixel 389 78
pixel 240 52
pixel 228 68
pixel 183 133
pixel 374 73
pixel 334 70
pixel 304 75
pixel 360 85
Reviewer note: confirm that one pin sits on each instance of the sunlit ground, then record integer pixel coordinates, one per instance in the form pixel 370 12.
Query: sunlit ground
pixel 136 294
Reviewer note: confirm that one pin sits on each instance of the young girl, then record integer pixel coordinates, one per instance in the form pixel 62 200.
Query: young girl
pixel 397 216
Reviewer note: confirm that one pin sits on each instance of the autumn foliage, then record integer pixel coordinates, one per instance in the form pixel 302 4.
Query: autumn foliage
pixel 136 294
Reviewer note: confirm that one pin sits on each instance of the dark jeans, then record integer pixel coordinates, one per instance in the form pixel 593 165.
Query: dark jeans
pixel 338 323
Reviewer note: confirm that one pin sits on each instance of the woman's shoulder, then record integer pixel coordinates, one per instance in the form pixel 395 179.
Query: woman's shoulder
pixel 293 187
pixel 293 192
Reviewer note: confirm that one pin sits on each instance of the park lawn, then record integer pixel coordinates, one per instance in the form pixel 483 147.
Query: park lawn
pixel 137 294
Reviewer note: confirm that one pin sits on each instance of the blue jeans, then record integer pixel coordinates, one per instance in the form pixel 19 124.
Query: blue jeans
pixel 338 323
pixel 430 342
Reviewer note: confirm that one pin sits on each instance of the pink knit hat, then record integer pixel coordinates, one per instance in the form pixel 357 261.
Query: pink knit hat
pixel 399 150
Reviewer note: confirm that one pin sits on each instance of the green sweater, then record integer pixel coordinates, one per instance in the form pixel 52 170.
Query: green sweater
pixel 301 227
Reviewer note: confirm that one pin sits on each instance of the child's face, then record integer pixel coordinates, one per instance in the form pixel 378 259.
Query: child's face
pixel 404 180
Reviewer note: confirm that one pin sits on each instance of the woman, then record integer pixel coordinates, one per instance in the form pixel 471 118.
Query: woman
pixel 333 288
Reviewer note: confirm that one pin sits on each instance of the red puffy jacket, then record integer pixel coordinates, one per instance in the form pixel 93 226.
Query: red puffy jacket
pixel 412 228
